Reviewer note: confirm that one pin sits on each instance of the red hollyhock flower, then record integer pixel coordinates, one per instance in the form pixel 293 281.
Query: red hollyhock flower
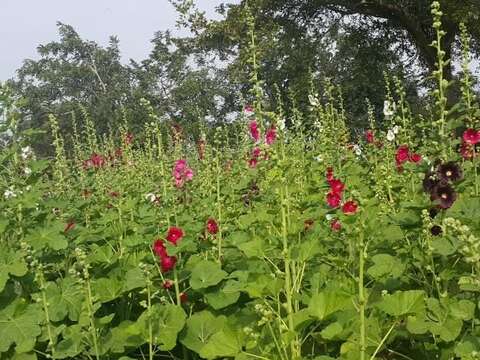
pixel 402 155
pixel 254 132
pixel 329 173
pixel 336 186
pixel 253 162
pixel 271 135
pixel 159 248
pixel 167 284
pixel 70 225
pixel 350 207
pixel 471 136
pixel 174 235
pixel 183 297
pixel 415 158
pixel 168 263
pixel 128 138
pixel 333 199
pixel 336 225
pixel 97 160
pixel 369 136
pixel 212 226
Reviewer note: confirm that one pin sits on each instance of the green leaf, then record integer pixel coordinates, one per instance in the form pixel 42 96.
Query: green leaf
pixel 19 325
pixel 72 343
pixel 64 298
pixel 386 266
pixel 205 274
pixel 403 303
pixel 218 298
pixel 331 331
pixel 200 328
pixel 167 321
pixel 107 289
pixel 224 343
pixel 328 302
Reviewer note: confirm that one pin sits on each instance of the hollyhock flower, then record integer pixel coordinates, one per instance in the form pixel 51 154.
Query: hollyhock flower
pixel 333 200
pixel 256 152
pixel 118 153
pixel 128 138
pixel 271 135
pixel 449 171
pixel 433 212
pixel 335 225
pixel 402 155
pixel 159 248
pixel 248 110
pixel 212 226
pixel 466 150
pixel 444 194
pixel 167 284
pixel 181 173
pixel 350 207
pixel 436 230
pixel 388 109
pixel 357 149
pixel 329 174
pixel 308 224
pixel 336 186
pixel 183 297
pixel 369 136
pixel 174 235
pixel 415 158
pixel 471 136
pixel 390 135
pixel 168 263
pixel 69 226
pixel 253 162
pixel 97 160
pixel 429 182
pixel 254 131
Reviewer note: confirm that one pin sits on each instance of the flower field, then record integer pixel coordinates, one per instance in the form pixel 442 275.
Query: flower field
pixel 264 238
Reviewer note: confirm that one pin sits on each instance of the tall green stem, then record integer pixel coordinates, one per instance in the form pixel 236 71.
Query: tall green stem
pixel 361 296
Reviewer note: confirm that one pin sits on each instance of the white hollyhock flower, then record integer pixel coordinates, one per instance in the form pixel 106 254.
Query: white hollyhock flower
pixel 281 124
pixel 27 171
pixel 26 152
pixel 313 100
pixel 396 129
pixel 9 193
pixel 318 158
pixel 388 109
pixel 329 217
pixel 357 149
pixel 391 135
pixel 151 197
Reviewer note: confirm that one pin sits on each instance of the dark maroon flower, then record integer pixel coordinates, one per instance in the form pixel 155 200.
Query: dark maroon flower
pixel 429 182
pixel 449 171
pixel 444 194
pixel 183 297
pixel 433 212
pixel 435 230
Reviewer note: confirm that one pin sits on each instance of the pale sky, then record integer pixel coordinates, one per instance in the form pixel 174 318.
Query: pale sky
pixel 25 24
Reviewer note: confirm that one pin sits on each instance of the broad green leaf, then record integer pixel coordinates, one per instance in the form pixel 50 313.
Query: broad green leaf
pixel 403 303
pixel 328 302
pixel 385 265
pixel 167 321
pixel 106 289
pixel 205 274
pixel 72 343
pixel 64 298
pixel 200 328
pixel 331 331
pixel 225 343
pixel 218 298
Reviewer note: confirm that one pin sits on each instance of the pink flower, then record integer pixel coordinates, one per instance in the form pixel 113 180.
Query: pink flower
pixel 253 162
pixel 181 173
pixel 212 226
pixel 336 225
pixel 254 132
pixel 471 136
pixel 271 135
pixel 248 110
pixel 369 136
pixel 350 207
pixel 256 152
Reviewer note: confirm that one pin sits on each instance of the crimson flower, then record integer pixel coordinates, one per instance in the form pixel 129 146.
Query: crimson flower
pixel 336 225
pixel 271 135
pixel 254 132
pixel 402 155
pixel 471 136
pixel 159 248
pixel 168 263
pixel 333 199
pixel 183 297
pixel 174 235
pixel 415 158
pixel 212 226
pixel 369 136
pixel 167 284
pixel 350 207
pixel 329 173
pixel 252 162
pixel 336 186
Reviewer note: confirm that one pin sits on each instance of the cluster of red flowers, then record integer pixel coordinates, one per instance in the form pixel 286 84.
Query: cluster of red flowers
pixel 95 161
pixel 270 137
pixel 174 235
pixel 181 173
pixel 470 139
pixel 334 199
pixel 403 155
pixel 370 138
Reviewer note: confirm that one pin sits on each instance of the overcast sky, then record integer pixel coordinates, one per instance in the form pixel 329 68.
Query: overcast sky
pixel 24 24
